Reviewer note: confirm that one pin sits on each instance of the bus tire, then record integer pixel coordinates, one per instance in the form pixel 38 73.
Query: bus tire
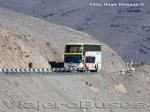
pixel 81 70
pixel 96 67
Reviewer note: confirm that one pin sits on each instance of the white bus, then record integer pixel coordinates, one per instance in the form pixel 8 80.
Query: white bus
pixel 83 56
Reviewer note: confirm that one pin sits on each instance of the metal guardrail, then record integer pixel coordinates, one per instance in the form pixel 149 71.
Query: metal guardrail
pixel 50 71
pixel 25 71
pixel 72 69
pixel 42 70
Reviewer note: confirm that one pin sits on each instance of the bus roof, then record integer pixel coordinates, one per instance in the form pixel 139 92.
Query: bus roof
pixel 83 43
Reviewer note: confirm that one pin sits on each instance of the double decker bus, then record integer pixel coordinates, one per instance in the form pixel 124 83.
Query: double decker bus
pixel 83 56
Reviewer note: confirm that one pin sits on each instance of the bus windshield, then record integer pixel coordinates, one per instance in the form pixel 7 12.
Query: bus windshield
pixel 90 59
pixel 73 49
pixel 73 59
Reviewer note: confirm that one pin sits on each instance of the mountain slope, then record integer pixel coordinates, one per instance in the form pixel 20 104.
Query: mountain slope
pixel 40 93
pixel 124 29
pixel 58 35
pixel 20 51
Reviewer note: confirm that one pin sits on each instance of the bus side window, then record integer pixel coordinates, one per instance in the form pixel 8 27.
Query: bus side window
pixel 79 50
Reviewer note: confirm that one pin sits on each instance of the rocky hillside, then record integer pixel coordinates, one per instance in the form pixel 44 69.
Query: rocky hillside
pixel 18 51
pixel 25 39
pixel 26 26
pixel 124 29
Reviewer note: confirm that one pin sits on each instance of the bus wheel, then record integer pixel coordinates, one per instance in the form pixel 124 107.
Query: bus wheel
pixel 96 67
pixel 82 70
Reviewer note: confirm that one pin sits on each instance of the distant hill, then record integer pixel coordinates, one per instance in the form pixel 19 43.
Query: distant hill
pixel 124 29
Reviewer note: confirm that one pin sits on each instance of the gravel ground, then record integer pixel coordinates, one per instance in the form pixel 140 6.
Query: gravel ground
pixel 66 89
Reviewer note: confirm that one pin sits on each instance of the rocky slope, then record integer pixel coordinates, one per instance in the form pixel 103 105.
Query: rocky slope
pixel 24 39
pixel 124 29
pixel 58 35
pixel 18 51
